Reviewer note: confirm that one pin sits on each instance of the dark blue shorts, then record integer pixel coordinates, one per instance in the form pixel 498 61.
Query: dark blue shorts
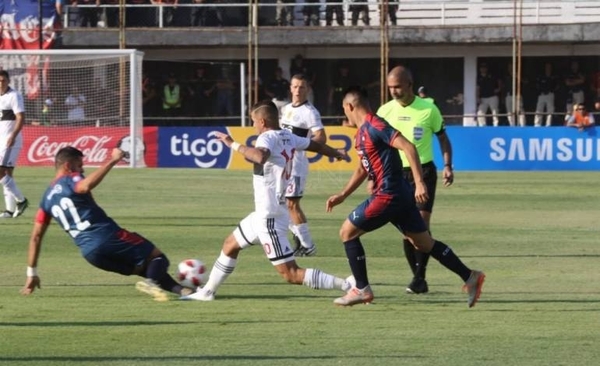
pixel 380 209
pixel 122 253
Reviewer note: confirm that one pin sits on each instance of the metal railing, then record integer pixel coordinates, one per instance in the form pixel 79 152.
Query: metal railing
pixel 408 12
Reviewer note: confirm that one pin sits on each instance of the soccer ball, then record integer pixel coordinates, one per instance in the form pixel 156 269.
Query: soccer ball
pixel 190 273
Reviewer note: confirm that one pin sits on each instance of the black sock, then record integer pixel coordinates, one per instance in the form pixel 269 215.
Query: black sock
pixel 409 253
pixel 157 272
pixel 422 259
pixel 358 262
pixel 448 259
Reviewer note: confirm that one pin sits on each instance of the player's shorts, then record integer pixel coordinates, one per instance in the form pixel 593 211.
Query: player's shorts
pixel 271 233
pixel 122 253
pixel 9 155
pixel 430 179
pixel 380 209
pixel 295 188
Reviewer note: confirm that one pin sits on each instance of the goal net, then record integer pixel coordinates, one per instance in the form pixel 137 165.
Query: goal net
pixel 89 99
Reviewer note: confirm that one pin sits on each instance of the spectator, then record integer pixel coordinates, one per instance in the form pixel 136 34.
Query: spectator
pixel 580 118
pixel 138 15
pixel 224 91
pixel 311 12
pixel 278 89
pixel 149 94
pixel 112 13
pixel 171 97
pixel 547 85
pixel 299 66
pixel 341 81
pixel 75 103
pixel 284 12
pixel 422 91
pixel 207 15
pixel 392 9
pixel 200 90
pixel 87 16
pixel 597 106
pixel 168 11
pixel 595 85
pixel 488 88
pixel 574 83
pixel 331 7
pixel 507 84
pixel 356 9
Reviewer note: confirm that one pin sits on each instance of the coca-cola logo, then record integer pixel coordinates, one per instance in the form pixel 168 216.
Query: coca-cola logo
pixel 94 148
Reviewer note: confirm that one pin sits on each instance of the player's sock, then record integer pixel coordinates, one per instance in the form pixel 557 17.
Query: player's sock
pixel 9 201
pixel 358 261
pixel 421 260
pixel 222 268
pixel 301 231
pixel 11 187
pixel 409 253
pixel 448 259
pixel 316 279
pixel 157 272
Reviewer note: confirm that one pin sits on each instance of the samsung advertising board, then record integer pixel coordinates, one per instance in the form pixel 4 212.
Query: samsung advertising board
pixel 529 148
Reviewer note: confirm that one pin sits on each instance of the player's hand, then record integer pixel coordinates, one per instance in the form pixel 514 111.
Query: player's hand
pixel 225 138
pixel 30 285
pixel 10 141
pixel 448 176
pixel 333 201
pixel 117 154
pixel 421 195
pixel 343 155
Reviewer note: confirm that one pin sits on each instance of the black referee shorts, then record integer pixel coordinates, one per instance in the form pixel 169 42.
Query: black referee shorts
pixel 430 178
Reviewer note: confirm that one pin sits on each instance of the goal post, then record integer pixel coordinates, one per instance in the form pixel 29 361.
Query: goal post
pixel 89 99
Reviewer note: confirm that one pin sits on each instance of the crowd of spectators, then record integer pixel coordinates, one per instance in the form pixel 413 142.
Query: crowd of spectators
pixel 207 13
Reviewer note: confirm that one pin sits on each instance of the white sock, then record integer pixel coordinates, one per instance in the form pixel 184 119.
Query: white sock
pixel 11 187
pixel 301 231
pixel 293 229
pixel 316 279
pixel 9 201
pixel 222 268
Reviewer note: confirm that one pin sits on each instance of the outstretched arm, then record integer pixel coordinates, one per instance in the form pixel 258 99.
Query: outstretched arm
pixel 255 155
pixel 326 150
pixel 92 180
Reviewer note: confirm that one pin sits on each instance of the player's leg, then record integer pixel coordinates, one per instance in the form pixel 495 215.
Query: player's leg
pixel 242 237
pixel 9 200
pixel 413 226
pixel 298 221
pixel 8 158
pixel 370 215
pixel 273 237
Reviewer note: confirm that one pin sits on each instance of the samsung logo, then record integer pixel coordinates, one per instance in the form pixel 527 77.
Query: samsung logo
pixel 545 149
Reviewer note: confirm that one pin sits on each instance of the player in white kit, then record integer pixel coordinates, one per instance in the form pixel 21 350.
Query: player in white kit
pixel 272 156
pixel 11 122
pixel 303 119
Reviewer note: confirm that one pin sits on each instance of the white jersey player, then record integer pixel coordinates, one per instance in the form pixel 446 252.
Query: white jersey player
pixel 303 119
pixel 268 225
pixel 11 122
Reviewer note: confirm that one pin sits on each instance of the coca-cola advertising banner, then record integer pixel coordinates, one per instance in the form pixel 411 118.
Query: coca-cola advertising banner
pixel 40 144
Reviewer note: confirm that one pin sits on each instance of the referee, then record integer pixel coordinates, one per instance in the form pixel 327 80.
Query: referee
pixel 418 120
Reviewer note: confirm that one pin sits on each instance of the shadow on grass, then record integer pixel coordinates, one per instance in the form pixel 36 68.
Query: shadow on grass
pixel 533 256
pixel 369 358
pixel 93 324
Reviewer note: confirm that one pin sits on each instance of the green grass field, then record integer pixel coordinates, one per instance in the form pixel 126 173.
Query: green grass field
pixel 534 234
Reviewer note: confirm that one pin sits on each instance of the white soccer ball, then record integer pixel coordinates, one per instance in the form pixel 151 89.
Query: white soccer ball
pixel 190 273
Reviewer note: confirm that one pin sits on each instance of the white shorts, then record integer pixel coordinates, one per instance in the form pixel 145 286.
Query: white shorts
pixel 271 233
pixel 8 156
pixel 295 188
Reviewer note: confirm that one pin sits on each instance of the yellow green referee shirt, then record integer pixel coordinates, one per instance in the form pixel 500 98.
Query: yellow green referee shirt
pixel 418 122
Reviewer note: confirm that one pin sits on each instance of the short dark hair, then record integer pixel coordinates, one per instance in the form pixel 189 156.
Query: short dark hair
pixel 268 110
pixel 5 74
pixel 359 93
pixel 300 76
pixel 67 154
